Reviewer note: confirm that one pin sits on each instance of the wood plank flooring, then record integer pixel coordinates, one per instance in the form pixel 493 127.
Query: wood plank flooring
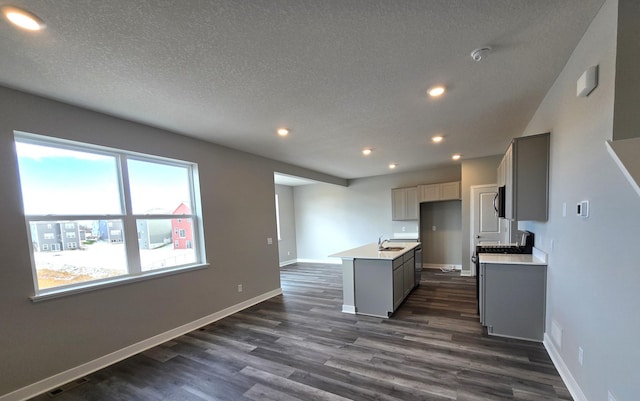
pixel 300 346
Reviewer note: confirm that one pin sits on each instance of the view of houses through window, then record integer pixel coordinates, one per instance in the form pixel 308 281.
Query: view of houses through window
pixel 78 225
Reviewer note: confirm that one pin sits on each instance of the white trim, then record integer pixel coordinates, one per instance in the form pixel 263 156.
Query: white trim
pixel 77 372
pixel 349 309
pixel 333 261
pixel 439 266
pixel 112 282
pixel 288 262
pixel 565 374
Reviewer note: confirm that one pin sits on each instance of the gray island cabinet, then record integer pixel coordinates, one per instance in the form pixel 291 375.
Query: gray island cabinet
pixel 376 282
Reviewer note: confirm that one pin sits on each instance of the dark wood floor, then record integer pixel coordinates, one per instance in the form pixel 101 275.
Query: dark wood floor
pixel 299 346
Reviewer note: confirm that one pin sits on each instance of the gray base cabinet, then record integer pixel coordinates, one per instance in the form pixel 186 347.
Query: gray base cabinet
pixel 382 285
pixel 512 300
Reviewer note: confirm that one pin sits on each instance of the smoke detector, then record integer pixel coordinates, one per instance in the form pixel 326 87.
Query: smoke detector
pixel 479 54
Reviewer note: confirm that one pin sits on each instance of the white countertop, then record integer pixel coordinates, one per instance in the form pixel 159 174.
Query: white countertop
pixel 537 258
pixel 370 251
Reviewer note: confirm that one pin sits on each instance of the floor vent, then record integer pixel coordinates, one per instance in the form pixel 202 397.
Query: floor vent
pixel 56 392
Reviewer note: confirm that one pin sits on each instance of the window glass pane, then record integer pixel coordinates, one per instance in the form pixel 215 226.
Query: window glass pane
pixel 70 252
pixel 165 243
pixel 61 181
pixel 158 188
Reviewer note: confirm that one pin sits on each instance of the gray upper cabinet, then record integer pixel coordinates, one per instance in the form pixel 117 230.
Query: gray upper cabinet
pixel 404 203
pixel 524 171
pixel 439 192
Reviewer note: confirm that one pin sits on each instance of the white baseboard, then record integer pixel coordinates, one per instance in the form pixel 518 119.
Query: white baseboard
pixel 333 261
pixel 349 309
pixel 288 262
pixel 565 374
pixel 77 372
pixel 439 266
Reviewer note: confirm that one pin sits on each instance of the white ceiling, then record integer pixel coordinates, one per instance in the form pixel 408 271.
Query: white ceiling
pixel 342 74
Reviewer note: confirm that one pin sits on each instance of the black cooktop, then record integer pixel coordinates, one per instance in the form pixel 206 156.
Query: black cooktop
pixel 503 248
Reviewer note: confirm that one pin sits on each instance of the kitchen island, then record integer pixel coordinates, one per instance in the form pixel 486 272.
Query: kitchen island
pixel 375 282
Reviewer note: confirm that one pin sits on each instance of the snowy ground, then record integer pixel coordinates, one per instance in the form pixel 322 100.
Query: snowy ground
pixel 101 260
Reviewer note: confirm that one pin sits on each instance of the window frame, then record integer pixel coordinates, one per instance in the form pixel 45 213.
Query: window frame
pixel 129 226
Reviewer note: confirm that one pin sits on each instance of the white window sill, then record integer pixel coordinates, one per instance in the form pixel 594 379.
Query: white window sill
pixel 112 282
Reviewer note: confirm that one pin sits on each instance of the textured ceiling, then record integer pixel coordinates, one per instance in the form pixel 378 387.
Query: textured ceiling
pixel 342 74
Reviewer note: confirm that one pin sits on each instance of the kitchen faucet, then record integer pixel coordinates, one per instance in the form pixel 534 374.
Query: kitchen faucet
pixel 381 243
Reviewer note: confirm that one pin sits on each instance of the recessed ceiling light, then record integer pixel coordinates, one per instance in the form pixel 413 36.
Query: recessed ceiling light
pixel 436 91
pixel 23 19
pixel 366 151
pixel 457 156
pixel 392 166
pixel 437 138
pixel 283 131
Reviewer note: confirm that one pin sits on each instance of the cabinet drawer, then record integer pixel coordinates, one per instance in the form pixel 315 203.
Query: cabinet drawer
pixel 408 255
pixel 397 262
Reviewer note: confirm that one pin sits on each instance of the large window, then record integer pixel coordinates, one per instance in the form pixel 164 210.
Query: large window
pixel 130 212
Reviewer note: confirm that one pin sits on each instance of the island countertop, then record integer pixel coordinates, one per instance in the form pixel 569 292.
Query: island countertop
pixel 370 251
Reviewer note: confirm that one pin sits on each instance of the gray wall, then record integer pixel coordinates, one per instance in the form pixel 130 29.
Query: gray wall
pixel 331 219
pixel 442 246
pixel 38 340
pixel 593 277
pixel 479 171
pixel 287 243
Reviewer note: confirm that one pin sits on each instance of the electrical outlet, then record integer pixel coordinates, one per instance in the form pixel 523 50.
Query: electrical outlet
pixel 239 287
pixel 580 355
pixel 564 209
pixel 269 241
pixel 610 396
pixel 288 253
pixel 433 228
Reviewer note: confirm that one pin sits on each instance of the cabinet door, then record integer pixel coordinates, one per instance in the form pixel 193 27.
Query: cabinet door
pixel 531 177
pixel 501 173
pixel 509 184
pixel 450 190
pixel 404 203
pixel 398 287
pixel 398 204
pixel 411 203
pixel 408 268
pixel 429 193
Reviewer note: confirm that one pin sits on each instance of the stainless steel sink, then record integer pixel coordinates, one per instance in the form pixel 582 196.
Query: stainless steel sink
pixel 392 248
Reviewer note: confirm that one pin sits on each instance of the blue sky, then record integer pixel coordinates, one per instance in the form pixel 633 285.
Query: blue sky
pixel 61 181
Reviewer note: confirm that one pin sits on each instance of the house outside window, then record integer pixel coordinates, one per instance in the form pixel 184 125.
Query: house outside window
pixel 127 190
